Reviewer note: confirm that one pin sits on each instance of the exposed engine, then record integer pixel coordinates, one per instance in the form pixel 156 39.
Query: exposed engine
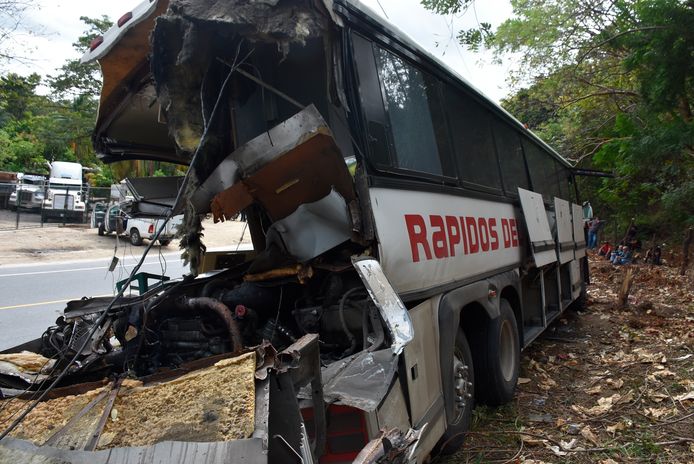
pixel 195 319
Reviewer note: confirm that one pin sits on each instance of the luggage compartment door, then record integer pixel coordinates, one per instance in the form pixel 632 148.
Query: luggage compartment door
pixel 565 236
pixel 542 244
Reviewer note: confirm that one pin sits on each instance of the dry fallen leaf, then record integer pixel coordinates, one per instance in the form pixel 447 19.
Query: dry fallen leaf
pixel 568 445
pixel 657 413
pixel 588 434
pixel 616 384
pixel 614 428
pixel 595 390
pixel 685 396
pixel 657 397
pixel 608 461
pixel 555 449
pixel 661 373
pixel 523 380
pixel 532 441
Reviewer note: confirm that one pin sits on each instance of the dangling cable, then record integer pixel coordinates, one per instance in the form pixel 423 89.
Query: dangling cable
pixel 137 267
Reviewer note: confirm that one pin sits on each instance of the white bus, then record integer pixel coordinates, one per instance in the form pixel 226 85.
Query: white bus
pixel 415 226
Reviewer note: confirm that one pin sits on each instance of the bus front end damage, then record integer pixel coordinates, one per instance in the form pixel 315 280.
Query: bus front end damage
pixel 289 352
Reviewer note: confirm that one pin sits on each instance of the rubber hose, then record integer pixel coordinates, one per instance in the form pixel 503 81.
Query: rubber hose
pixel 223 312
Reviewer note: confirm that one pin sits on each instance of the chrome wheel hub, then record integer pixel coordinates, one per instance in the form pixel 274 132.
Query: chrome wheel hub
pixel 462 386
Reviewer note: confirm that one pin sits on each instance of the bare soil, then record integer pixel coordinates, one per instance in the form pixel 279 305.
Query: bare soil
pixel 75 242
pixel 608 385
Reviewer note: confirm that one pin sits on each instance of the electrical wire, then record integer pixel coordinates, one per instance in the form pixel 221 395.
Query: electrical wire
pixel 137 267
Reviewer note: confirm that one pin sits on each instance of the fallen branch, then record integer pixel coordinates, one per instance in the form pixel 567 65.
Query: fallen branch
pixel 674 421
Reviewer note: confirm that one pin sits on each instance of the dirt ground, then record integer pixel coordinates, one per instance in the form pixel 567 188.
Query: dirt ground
pixel 608 385
pixel 75 242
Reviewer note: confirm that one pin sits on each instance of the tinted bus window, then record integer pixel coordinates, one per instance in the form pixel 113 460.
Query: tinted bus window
pixel 508 146
pixel 371 101
pixel 407 91
pixel 471 133
pixel 541 167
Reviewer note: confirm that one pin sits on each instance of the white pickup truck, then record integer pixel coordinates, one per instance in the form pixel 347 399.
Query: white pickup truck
pixel 118 221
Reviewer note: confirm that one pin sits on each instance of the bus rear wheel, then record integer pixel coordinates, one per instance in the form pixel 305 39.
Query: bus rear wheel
pixel 463 397
pixel 496 357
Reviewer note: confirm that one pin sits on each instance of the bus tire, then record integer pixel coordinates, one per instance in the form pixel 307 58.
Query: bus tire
pixel 496 357
pixel 464 397
pixel 135 237
pixel 102 229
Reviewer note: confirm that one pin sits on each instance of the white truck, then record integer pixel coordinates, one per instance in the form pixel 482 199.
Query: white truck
pixel 29 192
pixel 117 220
pixel 65 195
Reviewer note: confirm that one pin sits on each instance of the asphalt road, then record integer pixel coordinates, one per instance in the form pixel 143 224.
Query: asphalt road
pixel 32 296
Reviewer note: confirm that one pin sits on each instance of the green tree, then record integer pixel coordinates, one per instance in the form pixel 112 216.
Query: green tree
pixel 77 79
pixel 609 84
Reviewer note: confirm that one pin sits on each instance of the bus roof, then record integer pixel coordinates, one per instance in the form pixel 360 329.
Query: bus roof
pixel 355 11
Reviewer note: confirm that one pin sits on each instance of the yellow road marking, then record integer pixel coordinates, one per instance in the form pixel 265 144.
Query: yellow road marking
pixel 28 305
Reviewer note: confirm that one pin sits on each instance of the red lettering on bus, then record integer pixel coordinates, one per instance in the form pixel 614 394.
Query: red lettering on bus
pixel 417 231
pixel 471 225
pixel 463 234
pixel 493 235
pixel 514 232
pixel 453 231
pixel 438 237
pixel 506 232
pixel 484 234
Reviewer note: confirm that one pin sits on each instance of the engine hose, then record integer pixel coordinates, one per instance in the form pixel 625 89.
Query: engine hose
pixel 211 286
pixel 350 336
pixel 223 312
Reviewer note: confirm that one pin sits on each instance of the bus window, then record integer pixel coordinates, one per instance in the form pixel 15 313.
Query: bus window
pixel 541 167
pixel 472 142
pixel 407 91
pixel 508 147
pixel 371 101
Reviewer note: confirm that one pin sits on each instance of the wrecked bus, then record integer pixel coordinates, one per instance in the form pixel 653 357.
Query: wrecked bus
pixel 409 236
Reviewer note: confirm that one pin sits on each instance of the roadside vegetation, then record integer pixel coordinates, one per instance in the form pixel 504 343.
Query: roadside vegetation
pixel 609 385
pixel 51 118
pixel 609 85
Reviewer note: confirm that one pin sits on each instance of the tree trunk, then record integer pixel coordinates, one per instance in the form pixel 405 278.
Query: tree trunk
pixel 624 290
pixel 685 250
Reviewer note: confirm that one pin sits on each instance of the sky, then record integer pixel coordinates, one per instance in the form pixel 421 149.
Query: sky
pixel 57 26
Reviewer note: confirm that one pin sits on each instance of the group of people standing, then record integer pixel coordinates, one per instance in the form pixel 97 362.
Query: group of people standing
pixel 619 254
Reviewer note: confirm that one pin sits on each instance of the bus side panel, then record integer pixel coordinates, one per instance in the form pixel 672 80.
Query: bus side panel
pixel 428 240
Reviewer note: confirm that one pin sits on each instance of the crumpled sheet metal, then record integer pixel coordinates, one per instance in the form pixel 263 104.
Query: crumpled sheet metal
pixel 388 302
pixel 361 380
pixel 315 228
pixel 391 446
pixel 296 162
pixel 268 358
